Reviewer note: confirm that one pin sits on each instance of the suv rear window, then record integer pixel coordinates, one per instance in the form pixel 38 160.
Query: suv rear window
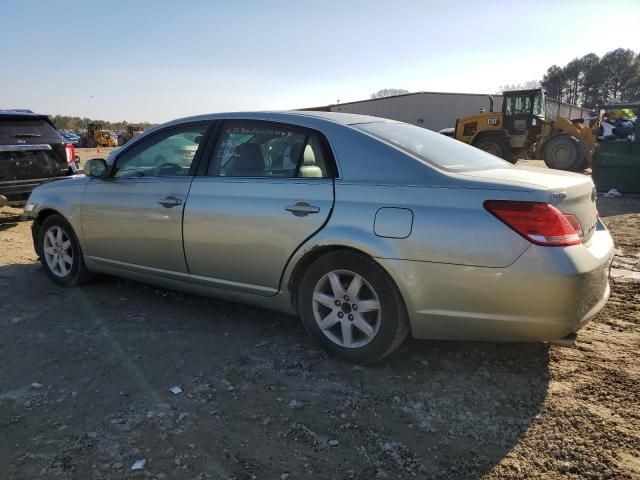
pixel 12 129
pixel 434 148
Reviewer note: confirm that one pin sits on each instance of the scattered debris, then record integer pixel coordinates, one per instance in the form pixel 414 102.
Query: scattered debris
pixel 334 443
pixel 296 404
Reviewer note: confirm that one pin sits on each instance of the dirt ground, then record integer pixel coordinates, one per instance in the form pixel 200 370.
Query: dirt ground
pixel 86 373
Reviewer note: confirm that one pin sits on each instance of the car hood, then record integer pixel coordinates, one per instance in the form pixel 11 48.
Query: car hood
pixel 59 182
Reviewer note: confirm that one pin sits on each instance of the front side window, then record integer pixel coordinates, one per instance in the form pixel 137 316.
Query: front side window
pixel 167 154
pixel 261 149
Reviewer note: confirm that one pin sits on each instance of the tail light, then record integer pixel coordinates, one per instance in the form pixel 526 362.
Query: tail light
pixel 71 157
pixel 71 153
pixel 540 223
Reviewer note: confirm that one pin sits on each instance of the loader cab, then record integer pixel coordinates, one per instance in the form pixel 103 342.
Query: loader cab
pixel 523 111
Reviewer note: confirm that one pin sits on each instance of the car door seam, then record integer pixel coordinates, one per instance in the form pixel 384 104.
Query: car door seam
pixel 286 265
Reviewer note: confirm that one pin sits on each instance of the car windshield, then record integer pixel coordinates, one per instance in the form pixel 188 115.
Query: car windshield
pixel 520 105
pixel 434 148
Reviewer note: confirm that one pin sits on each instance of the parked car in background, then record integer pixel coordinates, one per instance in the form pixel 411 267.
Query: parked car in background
pixel 31 151
pixel 369 229
pixel 71 138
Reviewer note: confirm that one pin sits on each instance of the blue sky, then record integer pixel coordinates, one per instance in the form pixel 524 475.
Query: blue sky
pixel 157 60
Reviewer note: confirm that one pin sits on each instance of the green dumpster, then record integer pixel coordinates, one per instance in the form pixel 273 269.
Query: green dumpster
pixel 616 163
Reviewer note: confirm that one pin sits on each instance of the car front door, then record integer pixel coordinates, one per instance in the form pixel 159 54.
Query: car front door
pixel 133 217
pixel 268 187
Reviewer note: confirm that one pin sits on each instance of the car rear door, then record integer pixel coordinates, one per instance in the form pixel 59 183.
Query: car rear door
pixel 132 219
pixel 267 188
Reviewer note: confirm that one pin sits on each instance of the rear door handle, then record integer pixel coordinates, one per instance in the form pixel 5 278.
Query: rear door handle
pixel 170 201
pixel 301 209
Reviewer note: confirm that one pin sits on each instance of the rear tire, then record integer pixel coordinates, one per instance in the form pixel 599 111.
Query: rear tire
pixel 495 146
pixel 364 320
pixel 564 153
pixel 60 252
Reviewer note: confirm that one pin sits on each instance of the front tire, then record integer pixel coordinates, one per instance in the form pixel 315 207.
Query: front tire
pixel 352 308
pixel 60 252
pixel 564 153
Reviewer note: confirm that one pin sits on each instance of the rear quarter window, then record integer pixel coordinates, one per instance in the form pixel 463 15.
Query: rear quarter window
pixel 27 129
pixel 431 147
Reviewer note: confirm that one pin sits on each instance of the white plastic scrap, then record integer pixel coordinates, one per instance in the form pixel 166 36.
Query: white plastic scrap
pixel 613 193
pixel 175 390
pixel 138 464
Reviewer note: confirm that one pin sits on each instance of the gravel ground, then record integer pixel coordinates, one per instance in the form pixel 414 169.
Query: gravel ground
pixel 86 373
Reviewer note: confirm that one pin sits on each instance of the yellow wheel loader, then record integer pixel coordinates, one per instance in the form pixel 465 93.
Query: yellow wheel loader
pixel 96 136
pixel 131 132
pixel 521 130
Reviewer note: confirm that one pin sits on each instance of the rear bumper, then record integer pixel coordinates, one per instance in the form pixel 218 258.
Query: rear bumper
pixel 546 294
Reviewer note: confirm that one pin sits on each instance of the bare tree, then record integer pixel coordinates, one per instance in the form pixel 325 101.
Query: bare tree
pixel 389 92
pixel 529 85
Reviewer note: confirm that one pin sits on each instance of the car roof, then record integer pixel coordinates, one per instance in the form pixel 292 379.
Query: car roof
pixel 287 116
pixel 22 115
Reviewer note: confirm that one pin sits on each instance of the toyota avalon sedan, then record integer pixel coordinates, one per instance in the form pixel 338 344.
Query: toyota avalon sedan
pixel 369 229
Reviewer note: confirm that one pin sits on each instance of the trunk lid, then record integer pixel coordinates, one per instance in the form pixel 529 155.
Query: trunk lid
pixel 571 193
pixel 30 148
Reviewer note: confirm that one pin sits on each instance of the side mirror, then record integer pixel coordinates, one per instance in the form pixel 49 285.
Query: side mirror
pixel 96 167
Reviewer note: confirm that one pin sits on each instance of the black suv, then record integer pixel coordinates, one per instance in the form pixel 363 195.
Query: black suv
pixel 31 151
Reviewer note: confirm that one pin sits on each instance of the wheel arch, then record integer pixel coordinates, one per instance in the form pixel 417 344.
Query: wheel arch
pixel 301 265
pixel 38 220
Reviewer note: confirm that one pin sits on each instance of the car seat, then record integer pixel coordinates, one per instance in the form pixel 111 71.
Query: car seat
pixel 247 161
pixel 309 167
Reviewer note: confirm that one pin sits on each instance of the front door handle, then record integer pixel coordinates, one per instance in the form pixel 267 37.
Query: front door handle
pixel 170 201
pixel 301 209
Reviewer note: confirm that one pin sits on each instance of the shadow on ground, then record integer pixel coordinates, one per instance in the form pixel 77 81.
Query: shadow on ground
pixel 259 399
pixel 610 206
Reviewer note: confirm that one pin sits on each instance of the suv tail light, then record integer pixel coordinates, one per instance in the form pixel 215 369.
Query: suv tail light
pixel 71 157
pixel 540 223
pixel 71 153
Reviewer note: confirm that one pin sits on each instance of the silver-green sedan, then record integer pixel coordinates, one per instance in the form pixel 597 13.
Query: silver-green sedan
pixel 369 229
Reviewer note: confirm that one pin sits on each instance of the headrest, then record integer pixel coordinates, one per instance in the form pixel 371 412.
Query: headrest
pixel 308 158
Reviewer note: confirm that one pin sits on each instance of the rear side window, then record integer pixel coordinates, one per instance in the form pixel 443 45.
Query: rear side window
pixel 31 129
pixel 261 149
pixel 434 148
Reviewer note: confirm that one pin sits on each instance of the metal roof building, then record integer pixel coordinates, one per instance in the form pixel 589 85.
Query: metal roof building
pixel 432 110
pixel 438 110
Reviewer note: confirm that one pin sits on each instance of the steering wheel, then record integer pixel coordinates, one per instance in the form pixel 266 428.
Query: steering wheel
pixel 169 169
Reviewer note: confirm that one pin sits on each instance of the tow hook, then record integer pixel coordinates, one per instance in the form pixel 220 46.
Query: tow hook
pixel 568 341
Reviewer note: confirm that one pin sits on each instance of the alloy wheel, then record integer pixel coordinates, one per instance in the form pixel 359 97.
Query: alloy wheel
pixel 346 308
pixel 58 251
